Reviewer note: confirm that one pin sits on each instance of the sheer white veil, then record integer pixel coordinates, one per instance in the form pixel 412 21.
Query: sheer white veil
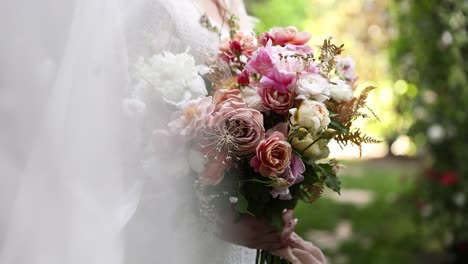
pixel 71 190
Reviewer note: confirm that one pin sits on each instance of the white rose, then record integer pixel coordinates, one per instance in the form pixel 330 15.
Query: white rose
pixel 175 76
pixel 313 86
pixel 341 91
pixel 316 151
pixel 312 115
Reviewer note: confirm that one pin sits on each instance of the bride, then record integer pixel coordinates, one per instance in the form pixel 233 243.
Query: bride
pixel 75 186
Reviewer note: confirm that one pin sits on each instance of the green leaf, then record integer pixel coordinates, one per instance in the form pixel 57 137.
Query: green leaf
pixel 310 174
pixel 330 178
pixel 332 182
pixel 338 127
pixel 242 204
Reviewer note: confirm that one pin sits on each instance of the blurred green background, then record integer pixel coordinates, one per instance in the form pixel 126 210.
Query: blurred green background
pixel 404 201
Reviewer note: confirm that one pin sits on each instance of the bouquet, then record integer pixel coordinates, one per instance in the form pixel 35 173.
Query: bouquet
pixel 258 129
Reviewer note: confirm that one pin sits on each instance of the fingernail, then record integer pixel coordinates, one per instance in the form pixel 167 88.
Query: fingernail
pixel 295 221
pixel 285 210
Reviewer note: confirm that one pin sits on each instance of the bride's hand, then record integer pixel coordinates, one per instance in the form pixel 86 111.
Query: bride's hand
pixel 255 233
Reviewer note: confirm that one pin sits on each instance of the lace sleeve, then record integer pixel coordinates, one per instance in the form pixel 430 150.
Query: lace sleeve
pixel 151 28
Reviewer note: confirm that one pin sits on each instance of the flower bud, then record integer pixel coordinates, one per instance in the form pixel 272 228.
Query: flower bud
pixel 311 148
pixel 243 78
pixel 278 182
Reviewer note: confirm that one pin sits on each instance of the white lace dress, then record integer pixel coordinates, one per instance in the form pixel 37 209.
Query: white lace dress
pixel 174 26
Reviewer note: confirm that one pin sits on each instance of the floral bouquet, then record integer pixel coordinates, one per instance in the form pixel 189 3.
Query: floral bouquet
pixel 259 138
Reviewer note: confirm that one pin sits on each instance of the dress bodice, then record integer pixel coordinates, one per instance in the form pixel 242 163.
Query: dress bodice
pixel 175 26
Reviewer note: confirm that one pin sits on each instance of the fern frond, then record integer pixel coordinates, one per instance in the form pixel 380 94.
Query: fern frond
pixel 356 138
pixel 314 191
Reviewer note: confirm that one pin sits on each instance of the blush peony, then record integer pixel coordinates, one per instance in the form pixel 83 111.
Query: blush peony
pixel 192 117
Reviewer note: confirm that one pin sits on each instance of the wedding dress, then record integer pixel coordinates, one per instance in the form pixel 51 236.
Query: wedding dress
pixel 73 189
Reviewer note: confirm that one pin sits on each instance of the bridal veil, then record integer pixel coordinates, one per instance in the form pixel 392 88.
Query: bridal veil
pixel 72 185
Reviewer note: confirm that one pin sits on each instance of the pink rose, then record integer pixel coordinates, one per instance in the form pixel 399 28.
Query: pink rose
pixel 274 100
pixel 273 156
pixel 282 36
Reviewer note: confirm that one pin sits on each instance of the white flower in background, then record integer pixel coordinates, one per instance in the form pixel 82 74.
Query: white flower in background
pixel 312 115
pixel 446 39
pixel 341 91
pixel 436 133
pixel 459 199
pixel 426 211
pixel 345 68
pixel 313 86
pixel 175 76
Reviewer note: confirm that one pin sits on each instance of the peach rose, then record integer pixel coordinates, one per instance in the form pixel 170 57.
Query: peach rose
pixel 273 156
pixel 282 36
pixel 224 96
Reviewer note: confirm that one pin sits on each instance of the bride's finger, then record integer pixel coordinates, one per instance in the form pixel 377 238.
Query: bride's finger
pixel 287 216
pixel 289 229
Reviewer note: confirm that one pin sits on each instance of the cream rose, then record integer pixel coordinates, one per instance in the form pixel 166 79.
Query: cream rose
pixel 312 115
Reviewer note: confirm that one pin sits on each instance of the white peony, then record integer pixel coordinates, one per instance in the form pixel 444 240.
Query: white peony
pixel 313 86
pixel 312 115
pixel 341 91
pixel 175 76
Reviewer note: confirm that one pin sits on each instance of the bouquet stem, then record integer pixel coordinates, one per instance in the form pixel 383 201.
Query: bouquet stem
pixel 265 257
